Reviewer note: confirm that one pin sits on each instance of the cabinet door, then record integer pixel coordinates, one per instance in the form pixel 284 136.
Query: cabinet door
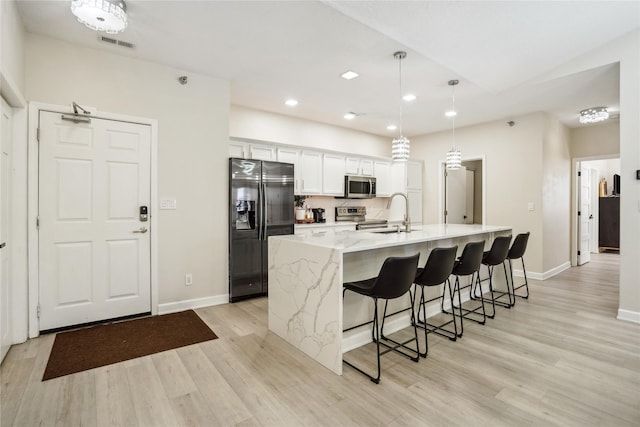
pixel 333 171
pixel 415 206
pixel 236 150
pixel 262 152
pixel 366 167
pixel 352 166
pixel 384 180
pixel 414 175
pixel 310 172
pixel 291 155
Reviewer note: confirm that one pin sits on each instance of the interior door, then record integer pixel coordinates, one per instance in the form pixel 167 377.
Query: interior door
pixel 456 196
pixel 5 286
pixel 468 218
pixel 584 220
pixel 94 247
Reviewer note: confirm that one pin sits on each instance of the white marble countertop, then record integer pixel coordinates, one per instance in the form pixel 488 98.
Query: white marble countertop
pixel 356 241
pixel 326 224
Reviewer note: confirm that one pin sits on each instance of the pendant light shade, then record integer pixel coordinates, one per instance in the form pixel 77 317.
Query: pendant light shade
pixel 400 145
pixel 454 157
pixel 109 16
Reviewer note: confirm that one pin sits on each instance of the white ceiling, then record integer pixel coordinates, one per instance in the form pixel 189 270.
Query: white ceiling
pixel 273 50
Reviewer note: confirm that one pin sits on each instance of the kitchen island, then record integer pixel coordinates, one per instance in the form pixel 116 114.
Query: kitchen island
pixel 306 273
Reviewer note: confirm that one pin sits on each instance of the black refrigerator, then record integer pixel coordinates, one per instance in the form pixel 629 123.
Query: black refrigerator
pixel 260 205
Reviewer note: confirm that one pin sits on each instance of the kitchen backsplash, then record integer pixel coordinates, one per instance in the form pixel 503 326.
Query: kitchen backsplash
pixel 376 207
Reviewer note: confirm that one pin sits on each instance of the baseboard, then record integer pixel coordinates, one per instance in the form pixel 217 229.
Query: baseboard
pixel 629 316
pixel 543 276
pixel 173 307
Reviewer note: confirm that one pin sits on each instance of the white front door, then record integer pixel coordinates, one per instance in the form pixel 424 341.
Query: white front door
pixel 456 196
pixel 5 251
pixel 584 220
pixel 94 250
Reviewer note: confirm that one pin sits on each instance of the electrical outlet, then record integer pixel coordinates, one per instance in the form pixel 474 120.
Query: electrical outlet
pixel 188 279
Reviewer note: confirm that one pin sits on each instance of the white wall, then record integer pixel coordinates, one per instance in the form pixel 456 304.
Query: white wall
pixel 601 140
pixel 626 51
pixel 514 174
pixel 260 125
pixel 606 169
pixel 12 42
pixel 193 134
pixel 556 195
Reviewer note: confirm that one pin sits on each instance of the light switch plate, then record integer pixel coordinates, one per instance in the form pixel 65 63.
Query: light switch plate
pixel 168 204
pixel 531 206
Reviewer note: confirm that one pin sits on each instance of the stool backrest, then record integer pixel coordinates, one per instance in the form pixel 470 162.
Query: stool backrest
pixel 395 277
pixel 519 246
pixel 438 267
pixel 470 260
pixel 498 252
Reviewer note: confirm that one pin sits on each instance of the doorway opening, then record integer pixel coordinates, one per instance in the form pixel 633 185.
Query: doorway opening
pixel 596 208
pixel 462 193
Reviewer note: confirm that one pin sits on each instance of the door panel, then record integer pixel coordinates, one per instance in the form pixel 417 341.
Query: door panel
pixel 94 252
pixel 584 229
pixel 456 196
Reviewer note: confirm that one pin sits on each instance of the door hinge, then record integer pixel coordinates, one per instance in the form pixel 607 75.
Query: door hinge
pixel 579 213
pixel 38 222
pixel 38 311
pixel 578 253
pixel 38 134
pixel 579 173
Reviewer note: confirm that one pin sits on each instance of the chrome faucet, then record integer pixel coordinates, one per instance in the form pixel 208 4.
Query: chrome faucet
pixel 407 221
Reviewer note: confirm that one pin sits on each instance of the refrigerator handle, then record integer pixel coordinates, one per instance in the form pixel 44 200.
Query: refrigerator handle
pixel 259 207
pixel 264 212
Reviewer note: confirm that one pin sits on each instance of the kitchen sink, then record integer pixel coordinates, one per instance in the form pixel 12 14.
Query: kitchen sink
pixel 393 231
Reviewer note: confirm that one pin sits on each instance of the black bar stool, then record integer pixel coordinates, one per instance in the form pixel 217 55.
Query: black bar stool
pixel 469 265
pixel 436 271
pixel 496 256
pixel 393 281
pixel 517 250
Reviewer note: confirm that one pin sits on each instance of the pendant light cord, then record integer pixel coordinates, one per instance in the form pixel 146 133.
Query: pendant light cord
pixel 453 119
pixel 400 84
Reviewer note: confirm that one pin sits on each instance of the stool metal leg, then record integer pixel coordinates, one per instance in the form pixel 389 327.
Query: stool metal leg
pixel 525 284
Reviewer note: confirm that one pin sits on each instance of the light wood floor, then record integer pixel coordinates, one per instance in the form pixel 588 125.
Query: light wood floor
pixel 559 358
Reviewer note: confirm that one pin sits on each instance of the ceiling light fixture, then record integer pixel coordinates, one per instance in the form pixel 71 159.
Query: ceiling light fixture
pixel 350 116
pixel 454 157
pixel 392 127
pixel 400 145
pixel 409 97
pixel 594 115
pixel 291 102
pixel 348 75
pixel 109 16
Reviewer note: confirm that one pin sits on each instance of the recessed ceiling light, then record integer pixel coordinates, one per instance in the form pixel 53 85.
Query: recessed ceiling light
pixel 350 116
pixel 349 75
pixel 291 102
pixel 392 127
pixel 409 97
pixel 451 113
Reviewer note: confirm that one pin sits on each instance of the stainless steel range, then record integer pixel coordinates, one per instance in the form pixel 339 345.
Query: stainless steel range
pixel 358 214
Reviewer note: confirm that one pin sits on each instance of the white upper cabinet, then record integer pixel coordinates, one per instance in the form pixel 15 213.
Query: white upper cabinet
pixel 310 172
pixel 236 150
pixel 358 166
pixel 414 175
pixel 291 155
pixel 262 152
pixel 384 179
pixel 333 174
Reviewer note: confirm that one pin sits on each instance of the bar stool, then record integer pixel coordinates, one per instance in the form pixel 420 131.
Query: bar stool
pixel 496 256
pixel 436 271
pixel 393 281
pixel 469 265
pixel 517 250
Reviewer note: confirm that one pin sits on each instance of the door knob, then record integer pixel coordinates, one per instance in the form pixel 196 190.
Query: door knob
pixel 3 244
pixel 141 230
pixel 590 216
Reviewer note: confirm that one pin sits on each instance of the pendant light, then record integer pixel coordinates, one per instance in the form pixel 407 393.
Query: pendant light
pixel 109 16
pixel 454 157
pixel 400 145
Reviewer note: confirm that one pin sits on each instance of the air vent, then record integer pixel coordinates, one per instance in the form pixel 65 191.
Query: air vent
pixel 115 42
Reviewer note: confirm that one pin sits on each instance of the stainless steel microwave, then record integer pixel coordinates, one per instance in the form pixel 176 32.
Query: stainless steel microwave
pixel 359 187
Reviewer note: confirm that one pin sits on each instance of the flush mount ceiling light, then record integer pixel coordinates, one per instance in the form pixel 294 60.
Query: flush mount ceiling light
pixel 454 157
pixel 400 145
pixel 291 102
pixel 392 127
pixel 594 115
pixel 348 75
pixel 409 97
pixel 350 116
pixel 109 16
